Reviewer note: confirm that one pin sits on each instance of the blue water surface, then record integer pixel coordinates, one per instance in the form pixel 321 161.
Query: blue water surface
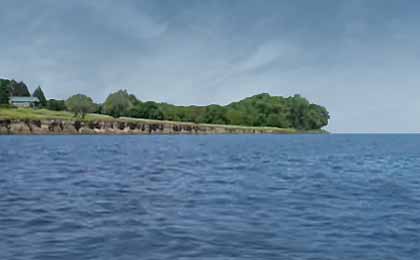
pixel 210 197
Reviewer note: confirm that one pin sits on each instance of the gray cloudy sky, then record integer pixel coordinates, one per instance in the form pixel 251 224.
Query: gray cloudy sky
pixel 358 58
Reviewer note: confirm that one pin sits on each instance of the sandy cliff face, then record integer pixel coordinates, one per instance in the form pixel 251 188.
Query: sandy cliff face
pixel 22 127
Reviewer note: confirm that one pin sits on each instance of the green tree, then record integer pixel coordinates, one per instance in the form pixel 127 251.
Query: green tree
pixel 170 112
pixel 299 106
pixel 118 104
pixel 18 89
pixel 80 105
pixel 149 110
pixel 56 105
pixel 259 110
pixel 133 99
pixel 277 120
pixel 213 114
pixel 38 93
pixel 98 108
pixel 234 117
pixel 316 117
pixel 4 94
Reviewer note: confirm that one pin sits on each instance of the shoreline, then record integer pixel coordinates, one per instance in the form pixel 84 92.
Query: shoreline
pixel 129 127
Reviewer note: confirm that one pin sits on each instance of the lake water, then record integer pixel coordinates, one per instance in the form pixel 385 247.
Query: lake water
pixel 210 197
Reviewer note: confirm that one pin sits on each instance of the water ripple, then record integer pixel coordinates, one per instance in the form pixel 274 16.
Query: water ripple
pixel 210 197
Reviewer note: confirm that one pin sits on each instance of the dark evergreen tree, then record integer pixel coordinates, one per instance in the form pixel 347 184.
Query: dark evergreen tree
pixel 38 93
pixel 4 93
pixel 18 89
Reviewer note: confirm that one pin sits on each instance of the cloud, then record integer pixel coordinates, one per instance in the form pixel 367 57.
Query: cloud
pixel 268 53
pixel 126 18
pixel 357 58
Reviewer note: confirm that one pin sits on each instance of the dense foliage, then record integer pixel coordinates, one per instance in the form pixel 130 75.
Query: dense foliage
pixel 117 104
pixel 38 93
pixel 259 110
pixel 56 105
pixel 150 110
pixel 16 88
pixel 4 93
pixel 80 105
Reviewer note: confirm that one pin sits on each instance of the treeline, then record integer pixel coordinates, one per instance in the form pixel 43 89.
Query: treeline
pixel 259 110
pixel 10 88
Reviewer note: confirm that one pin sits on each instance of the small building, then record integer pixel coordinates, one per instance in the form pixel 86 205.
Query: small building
pixel 23 101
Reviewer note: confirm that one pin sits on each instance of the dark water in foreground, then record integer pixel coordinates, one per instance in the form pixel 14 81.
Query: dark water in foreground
pixel 210 197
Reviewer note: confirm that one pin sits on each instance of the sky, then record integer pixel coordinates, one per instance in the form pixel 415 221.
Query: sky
pixel 358 58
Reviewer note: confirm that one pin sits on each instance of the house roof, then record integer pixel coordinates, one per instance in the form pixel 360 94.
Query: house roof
pixel 24 99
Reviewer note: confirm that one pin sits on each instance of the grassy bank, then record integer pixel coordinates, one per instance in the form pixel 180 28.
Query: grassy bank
pixel 44 114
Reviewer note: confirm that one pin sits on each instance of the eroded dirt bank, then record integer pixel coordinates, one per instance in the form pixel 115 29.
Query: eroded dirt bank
pixel 48 127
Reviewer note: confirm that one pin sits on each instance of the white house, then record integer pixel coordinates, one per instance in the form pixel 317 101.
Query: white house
pixel 23 101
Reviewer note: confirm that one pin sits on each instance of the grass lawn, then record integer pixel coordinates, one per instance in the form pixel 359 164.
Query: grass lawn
pixel 44 114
